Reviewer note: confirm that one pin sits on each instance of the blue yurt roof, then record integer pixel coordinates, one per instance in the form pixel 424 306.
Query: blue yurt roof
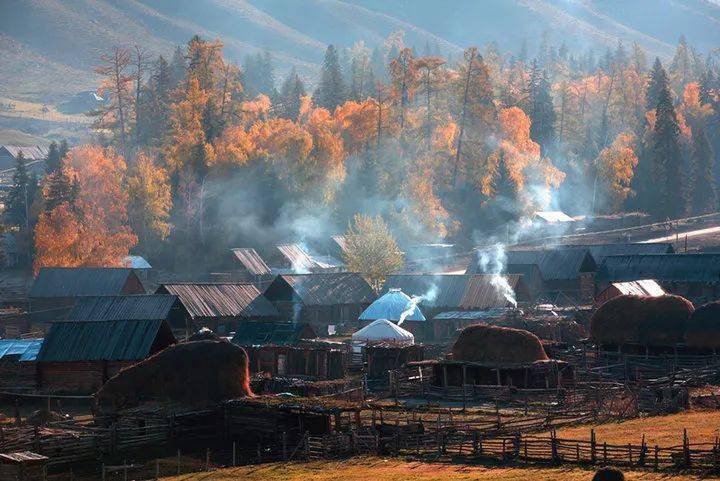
pixel 390 306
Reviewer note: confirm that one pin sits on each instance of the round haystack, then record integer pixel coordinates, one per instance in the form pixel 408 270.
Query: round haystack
pixel 644 320
pixel 703 327
pixel 497 345
pixel 609 474
pixel 192 374
pixel 204 334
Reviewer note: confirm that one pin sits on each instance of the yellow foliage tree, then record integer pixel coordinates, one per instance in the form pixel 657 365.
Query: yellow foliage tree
pixel 150 200
pixel 371 250
pixel 616 167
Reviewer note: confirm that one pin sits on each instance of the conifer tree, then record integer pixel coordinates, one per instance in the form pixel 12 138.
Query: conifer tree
pixel 703 194
pixel 331 91
pixel 539 106
pixel 178 67
pixel 18 198
pixel 667 159
pixel 291 92
pixel 657 81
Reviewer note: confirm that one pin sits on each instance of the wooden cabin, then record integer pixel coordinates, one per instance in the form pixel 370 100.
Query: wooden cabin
pixel 383 357
pixel 77 357
pixel 18 367
pixel 56 289
pixel 330 302
pixel 249 267
pixel 221 307
pixel 296 258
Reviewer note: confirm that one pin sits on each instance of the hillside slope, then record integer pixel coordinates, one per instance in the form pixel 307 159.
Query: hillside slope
pixel 48 48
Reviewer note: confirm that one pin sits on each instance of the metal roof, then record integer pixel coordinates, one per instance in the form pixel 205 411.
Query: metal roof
pixel 390 306
pixel 80 281
pixel 25 349
pixel 118 308
pixel 601 251
pixel 327 289
pixel 554 264
pixel 470 315
pixel 251 261
pixel 553 216
pixel 272 333
pixel 136 262
pixel 449 290
pixel 221 299
pixel 103 340
pixel 301 260
pixel 643 287
pixel 340 242
pixel 22 457
pixel 662 267
pixel 37 152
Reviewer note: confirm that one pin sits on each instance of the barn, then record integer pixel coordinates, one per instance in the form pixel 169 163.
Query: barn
pixel 559 276
pixel 328 301
pixel 55 290
pixel 77 357
pixel 133 308
pixel 694 276
pixel 221 307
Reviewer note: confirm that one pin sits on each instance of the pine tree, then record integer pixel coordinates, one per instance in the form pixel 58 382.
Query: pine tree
pixel 18 198
pixel 657 81
pixel 52 160
pixel 704 194
pixel 539 107
pixel 291 91
pixel 60 188
pixel 178 67
pixel 667 159
pixel 331 91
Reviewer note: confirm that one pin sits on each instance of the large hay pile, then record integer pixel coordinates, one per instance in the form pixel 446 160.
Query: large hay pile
pixel 703 327
pixel 608 474
pixel 191 374
pixel 498 346
pixel 649 321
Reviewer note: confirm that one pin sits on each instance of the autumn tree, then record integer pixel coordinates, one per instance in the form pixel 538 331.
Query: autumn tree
pixel 616 168
pixel 149 201
pixel 403 75
pixel 94 230
pixel 116 83
pixel 430 78
pixel 371 250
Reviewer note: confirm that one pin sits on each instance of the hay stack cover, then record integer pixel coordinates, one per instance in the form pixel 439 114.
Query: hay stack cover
pixel 498 345
pixel 651 321
pixel 190 374
pixel 703 327
pixel 204 334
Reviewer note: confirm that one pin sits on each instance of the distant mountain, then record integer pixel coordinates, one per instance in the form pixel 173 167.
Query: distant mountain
pixel 48 48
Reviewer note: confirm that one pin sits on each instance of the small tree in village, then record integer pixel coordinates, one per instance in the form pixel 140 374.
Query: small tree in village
pixel 371 249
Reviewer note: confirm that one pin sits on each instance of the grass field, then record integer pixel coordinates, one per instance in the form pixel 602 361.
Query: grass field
pixel 376 469
pixel 39 111
pixel 702 427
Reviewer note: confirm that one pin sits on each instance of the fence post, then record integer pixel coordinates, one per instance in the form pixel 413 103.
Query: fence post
pixel 475 442
pixel 553 446
pixel 643 452
pixel 657 457
pixel 207 459
pixel 103 472
pixel 686 448
pixel 259 454
pixel 593 454
pixel 157 469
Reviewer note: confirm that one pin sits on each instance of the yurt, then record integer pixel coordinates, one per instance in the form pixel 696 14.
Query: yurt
pixel 382 346
pixel 398 307
pixel 382 330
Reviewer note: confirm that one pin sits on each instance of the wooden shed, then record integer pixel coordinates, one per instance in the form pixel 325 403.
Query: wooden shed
pixel 18 368
pixel 642 287
pixel 249 266
pixel 328 301
pixel 383 357
pixel 222 307
pixel 56 289
pixel 79 356
pixel 23 466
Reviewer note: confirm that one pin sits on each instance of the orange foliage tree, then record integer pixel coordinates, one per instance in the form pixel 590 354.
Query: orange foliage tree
pixel 94 230
pixel 616 167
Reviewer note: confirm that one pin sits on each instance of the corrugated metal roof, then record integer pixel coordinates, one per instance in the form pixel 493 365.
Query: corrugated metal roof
pixel 470 315
pixel 22 457
pixel 38 152
pixel 271 333
pixel 661 267
pixel 80 281
pixel 391 306
pixel 251 261
pixel 301 260
pixel 118 308
pixel 454 291
pixel 643 287
pixel 102 340
pixel 340 241
pixel 327 289
pixel 554 264
pixel 601 251
pixel 25 349
pixel 553 216
pixel 221 299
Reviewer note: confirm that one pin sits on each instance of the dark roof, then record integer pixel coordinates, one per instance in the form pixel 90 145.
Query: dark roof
pixel 221 299
pixel 327 289
pixel 601 251
pixel 118 308
pixel 661 267
pixel 80 281
pixel 275 333
pixel 554 264
pixel 461 291
pixel 104 340
pixel 251 261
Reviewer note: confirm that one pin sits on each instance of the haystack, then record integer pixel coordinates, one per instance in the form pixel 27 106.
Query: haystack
pixel 644 320
pixel 190 374
pixel 204 334
pixel 703 327
pixel 608 474
pixel 498 346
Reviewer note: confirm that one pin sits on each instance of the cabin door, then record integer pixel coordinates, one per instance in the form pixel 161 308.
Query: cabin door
pixel 282 364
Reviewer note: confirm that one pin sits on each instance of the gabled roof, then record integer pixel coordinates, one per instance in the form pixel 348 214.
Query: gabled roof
pixel 118 308
pixel 391 306
pixel 220 299
pixel 456 291
pixel 104 340
pixel 383 330
pixel 136 262
pixel 272 333
pixel 601 251
pixel 554 264
pixel 37 152
pixel 24 349
pixel 340 241
pixel 662 267
pixel 325 289
pixel 300 260
pixel 643 287
pixel 251 261
pixel 81 281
